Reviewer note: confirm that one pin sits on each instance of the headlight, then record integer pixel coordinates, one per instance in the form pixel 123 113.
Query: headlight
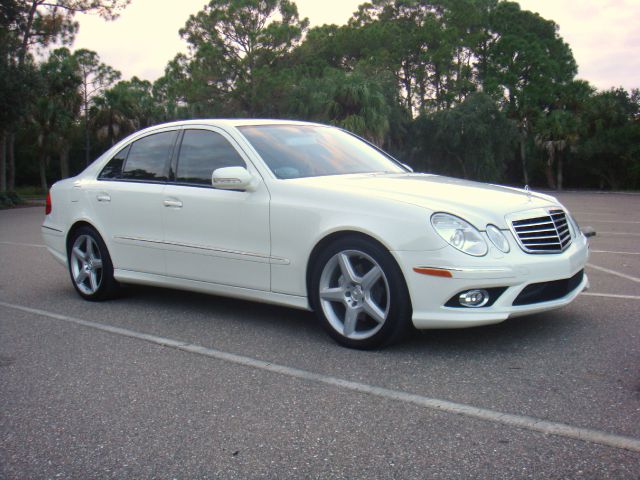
pixel 497 238
pixel 573 225
pixel 459 234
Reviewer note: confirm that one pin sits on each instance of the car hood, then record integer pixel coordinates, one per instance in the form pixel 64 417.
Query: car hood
pixel 479 203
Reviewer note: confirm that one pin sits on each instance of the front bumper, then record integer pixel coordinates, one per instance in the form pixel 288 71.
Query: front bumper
pixel 515 271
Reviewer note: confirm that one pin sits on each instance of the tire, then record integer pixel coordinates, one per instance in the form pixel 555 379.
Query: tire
pixel 359 294
pixel 90 265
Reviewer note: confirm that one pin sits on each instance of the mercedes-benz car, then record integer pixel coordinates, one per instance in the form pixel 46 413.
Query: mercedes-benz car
pixel 312 217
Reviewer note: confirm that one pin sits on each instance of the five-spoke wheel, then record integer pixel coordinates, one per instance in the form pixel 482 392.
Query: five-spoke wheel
pixel 359 293
pixel 90 265
pixel 354 294
pixel 86 265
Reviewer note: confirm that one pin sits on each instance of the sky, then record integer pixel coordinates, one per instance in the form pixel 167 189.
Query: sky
pixel 603 34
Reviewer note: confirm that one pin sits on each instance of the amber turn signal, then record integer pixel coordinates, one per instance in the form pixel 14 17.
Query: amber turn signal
pixel 435 272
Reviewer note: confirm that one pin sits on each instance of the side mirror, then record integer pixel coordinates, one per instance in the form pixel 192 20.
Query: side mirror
pixel 231 178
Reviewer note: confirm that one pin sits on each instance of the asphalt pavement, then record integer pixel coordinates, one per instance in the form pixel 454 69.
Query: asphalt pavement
pixel 169 384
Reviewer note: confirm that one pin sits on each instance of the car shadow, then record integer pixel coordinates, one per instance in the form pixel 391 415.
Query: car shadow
pixel 301 326
pixel 512 335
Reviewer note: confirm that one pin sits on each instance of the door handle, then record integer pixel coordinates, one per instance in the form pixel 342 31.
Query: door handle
pixel 173 203
pixel 103 197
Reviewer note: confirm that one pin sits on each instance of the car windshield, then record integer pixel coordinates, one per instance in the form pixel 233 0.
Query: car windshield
pixel 294 151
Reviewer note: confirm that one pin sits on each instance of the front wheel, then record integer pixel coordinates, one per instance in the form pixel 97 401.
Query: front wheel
pixel 90 265
pixel 359 294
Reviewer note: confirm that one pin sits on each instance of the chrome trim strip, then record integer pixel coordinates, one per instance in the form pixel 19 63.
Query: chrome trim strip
pixel 271 259
pixel 51 228
pixel 469 270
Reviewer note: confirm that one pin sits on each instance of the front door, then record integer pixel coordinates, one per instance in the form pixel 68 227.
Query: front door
pixel 210 235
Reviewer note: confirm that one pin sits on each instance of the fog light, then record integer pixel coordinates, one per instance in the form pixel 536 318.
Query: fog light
pixel 474 298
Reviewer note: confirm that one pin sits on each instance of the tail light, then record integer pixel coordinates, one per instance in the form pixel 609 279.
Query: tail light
pixel 47 208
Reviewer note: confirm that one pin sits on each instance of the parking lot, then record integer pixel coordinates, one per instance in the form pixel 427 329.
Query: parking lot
pixel 168 384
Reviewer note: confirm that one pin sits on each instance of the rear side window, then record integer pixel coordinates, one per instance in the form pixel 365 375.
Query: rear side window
pixel 201 152
pixel 113 169
pixel 148 157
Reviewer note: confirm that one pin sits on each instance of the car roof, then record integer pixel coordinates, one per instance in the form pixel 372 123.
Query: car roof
pixel 234 122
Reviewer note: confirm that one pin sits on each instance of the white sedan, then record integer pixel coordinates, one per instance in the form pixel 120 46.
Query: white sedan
pixel 311 217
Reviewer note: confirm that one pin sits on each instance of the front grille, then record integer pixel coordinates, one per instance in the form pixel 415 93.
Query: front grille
pixel 547 291
pixel 543 234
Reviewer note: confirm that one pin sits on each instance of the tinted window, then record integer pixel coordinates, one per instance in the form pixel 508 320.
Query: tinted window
pixel 113 169
pixel 148 157
pixel 202 152
pixel 293 151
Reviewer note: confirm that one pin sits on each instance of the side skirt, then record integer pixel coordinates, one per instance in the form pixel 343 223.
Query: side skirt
pixel 294 301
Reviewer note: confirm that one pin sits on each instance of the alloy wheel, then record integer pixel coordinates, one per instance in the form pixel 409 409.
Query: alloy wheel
pixel 354 294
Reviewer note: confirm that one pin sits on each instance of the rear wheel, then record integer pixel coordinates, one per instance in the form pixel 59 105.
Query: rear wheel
pixel 359 294
pixel 90 265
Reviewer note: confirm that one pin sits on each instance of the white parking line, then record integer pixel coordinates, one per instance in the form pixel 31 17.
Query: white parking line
pixel 519 421
pixel 611 295
pixel 622 234
pixel 613 272
pixel 23 244
pixel 612 251
pixel 582 220
pixel 589 214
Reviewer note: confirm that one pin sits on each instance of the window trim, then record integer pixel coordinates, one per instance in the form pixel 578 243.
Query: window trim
pixel 127 147
pixel 175 163
pixel 177 132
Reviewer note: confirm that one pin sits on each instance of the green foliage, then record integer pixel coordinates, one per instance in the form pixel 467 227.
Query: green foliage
pixel 10 199
pixel 475 88
pixel 610 151
pixel 350 100
pixel 236 46
pixel 474 140
pixel 123 109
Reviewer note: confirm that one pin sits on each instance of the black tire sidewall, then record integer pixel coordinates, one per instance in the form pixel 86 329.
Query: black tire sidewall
pixel 108 285
pixel 399 317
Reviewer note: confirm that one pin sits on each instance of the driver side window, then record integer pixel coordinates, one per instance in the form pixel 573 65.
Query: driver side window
pixel 202 152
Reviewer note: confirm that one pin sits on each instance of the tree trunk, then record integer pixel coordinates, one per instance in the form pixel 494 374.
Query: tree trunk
pixel 64 162
pixel 523 159
pixel 559 173
pixel 87 141
pixel 463 167
pixel 3 162
pixel 551 180
pixel 43 173
pixel 548 168
pixel 22 53
pixel 11 165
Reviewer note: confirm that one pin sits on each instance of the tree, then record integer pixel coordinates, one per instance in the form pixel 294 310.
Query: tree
pixel 558 130
pixel 36 24
pixel 527 63
pixel 351 100
pixel 610 148
pixel 96 76
pixel 16 90
pixel 43 22
pixel 473 139
pixel 234 47
pixel 430 46
pixel 55 110
pixel 124 108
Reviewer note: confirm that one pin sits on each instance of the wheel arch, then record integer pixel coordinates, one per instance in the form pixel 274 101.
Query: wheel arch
pixel 334 236
pixel 75 227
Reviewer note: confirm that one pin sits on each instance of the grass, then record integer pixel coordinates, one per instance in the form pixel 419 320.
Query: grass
pixel 30 191
pixel 10 200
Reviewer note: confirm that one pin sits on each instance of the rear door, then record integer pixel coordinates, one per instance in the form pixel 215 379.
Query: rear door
pixel 211 235
pixel 128 202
